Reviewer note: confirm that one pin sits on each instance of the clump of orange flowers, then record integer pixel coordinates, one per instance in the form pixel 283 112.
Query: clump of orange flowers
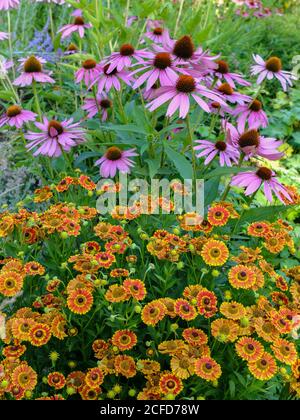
pixel 113 310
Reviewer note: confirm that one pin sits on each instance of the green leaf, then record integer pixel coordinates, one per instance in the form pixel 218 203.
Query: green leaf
pixel 154 165
pixel 263 213
pixel 228 170
pixel 181 163
pixel 131 128
pixel 86 155
pixel 232 388
pixel 7 95
pixel 211 188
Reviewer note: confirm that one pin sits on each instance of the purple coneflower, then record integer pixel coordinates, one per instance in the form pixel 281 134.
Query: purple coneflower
pixel 3 36
pixel 227 93
pixel 263 13
pixel 33 71
pixel 5 65
pixel 242 13
pixel 130 20
pixel 55 137
pixel 252 114
pixel 123 58
pixel 253 4
pixel 157 34
pixel 107 80
pixel 252 181
pixel 15 116
pixel 101 104
pixel 115 160
pixel 71 49
pixel 88 72
pixel 184 51
pixel 151 93
pixel 180 92
pixel 226 152
pixel 270 69
pixel 9 4
pixel 251 143
pixel 77 26
pixel 217 108
pixel 222 73
pixel 161 68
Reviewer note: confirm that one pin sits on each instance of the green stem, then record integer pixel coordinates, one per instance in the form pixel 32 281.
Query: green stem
pixel 13 89
pixel 178 17
pixel 9 29
pixel 127 11
pixel 51 22
pixel 213 123
pixel 119 97
pixel 227 189
pixel 242 213
pixel 37 102
pixel 190 138
pixel 259 90
pixel 67 160
pixel 97 103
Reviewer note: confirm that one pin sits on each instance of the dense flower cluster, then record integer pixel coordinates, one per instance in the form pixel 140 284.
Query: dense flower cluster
pixel 154 347
pixel 146 301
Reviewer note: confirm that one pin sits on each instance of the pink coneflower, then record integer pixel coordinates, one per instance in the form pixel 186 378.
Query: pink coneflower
pixel 251 143
pixel 252 114
pixel 217 108
pixel 88 72
pixel 33 71
pixel 3 36
pixel 9 4
pixel 253 4
pixel 228 94
pixel 222 73
pixel 270 69
pixel 101 105
pixel 55 137
pixel 15 116
pixel 252 181
pixel 123 58
pixel 130 20
pixel 151 93
pixel 180 92
pixel 161 68
pixel 184 51
pixel 106 80
pixel 226 152
pixel 204 62
pixel 158 34
pixel 77 26
pixel 242 13
pixel 5 65
pixel 263 13
pixel 115 160
pixel 71 49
